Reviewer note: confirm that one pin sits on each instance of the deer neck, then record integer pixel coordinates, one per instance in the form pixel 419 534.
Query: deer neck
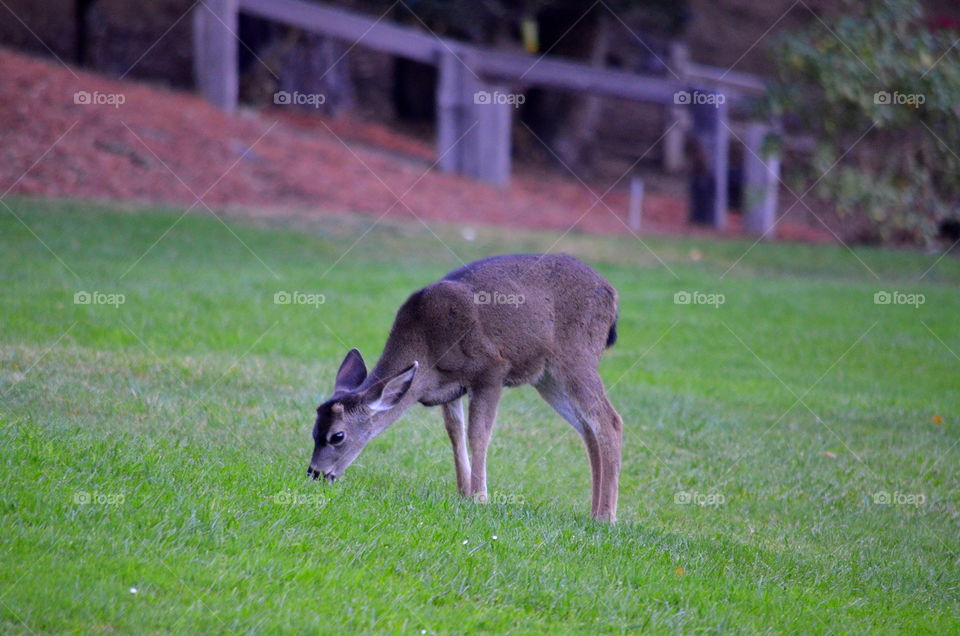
pixel 397 356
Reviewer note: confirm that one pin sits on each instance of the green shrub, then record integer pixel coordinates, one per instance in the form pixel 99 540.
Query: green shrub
pixel 887 73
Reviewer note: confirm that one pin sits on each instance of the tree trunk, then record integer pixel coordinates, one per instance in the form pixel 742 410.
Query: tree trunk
pixel 82 10
pixel 317 65
pixel 574 142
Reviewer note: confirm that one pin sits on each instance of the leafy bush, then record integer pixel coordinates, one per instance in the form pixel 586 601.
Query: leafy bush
pixel 889 74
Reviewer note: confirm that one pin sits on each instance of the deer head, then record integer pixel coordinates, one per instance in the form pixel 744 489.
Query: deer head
pixel 357 412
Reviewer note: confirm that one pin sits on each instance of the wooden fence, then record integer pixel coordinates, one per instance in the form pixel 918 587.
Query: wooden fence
pixel 475 85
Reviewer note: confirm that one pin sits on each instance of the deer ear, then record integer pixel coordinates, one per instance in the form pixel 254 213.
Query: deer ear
pixel 352 372
pixel 393 390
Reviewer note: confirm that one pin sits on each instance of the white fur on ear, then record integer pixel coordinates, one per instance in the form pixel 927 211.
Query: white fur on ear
pixel 394 390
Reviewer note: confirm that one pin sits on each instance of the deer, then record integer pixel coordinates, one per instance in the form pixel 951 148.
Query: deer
pixel 504 321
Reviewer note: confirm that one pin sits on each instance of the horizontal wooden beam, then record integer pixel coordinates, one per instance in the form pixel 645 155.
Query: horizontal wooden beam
pixel 576 76
pixel 374 33
pixel 496 66
pixel 712 76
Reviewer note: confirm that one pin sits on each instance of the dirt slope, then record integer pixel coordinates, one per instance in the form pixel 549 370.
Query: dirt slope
pixel 160 146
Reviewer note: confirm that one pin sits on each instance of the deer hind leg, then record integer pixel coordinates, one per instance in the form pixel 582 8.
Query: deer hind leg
pixel 599 415
pixel 601 428
pixel 453 421
pixel 611 449
pixel 556 395
pixel 481 416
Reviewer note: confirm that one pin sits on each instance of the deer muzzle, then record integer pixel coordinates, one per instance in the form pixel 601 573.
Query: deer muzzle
pixel 330 477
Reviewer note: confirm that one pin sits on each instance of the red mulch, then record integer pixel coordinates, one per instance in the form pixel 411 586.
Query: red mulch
pixel 141 150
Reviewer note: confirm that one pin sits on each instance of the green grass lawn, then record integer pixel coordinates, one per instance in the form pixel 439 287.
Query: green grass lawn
pixel 789 455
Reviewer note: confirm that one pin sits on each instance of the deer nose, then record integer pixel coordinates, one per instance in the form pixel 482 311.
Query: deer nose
pixel 312 472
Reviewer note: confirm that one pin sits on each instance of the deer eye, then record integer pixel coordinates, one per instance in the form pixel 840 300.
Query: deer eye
pixel 336 438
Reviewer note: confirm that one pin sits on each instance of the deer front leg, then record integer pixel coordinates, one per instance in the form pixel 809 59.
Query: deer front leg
pixel 482 414
pixel 453 421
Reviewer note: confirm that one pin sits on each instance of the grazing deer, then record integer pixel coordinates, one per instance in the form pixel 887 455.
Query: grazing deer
pixel 502 321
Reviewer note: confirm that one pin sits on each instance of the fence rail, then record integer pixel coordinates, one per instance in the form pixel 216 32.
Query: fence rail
pixel 473 134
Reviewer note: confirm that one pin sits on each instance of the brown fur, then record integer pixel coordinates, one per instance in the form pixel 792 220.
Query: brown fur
pixel 547 321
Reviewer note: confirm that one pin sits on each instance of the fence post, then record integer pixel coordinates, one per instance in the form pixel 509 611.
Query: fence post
pixel 677 118
pixel 450 112
pixel 711 136
pixel 635 210
pixel 488 148
pixel 761 172
pixel 473 125
pixel 215 51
